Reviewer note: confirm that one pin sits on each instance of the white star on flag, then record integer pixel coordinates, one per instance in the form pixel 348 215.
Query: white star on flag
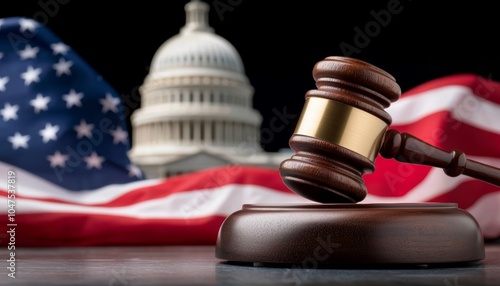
pixel 62 67
pixel 57 160
pixel 49 132
pixel 19 141
pixel 59 48
pixel 73 98
pixel 94 161
pixel 27 25
pixel 31 75
pixel 83 129
pixel 119 135
pixel 9 112
pixel 109 103
pixel 29 52
pixel 134 171
pixel 40 102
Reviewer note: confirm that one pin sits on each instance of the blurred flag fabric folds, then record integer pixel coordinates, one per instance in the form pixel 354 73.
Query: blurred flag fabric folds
pixel 66 179
pixel 453 112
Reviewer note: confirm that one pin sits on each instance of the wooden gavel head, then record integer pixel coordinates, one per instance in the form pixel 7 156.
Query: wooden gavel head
pixel 342 129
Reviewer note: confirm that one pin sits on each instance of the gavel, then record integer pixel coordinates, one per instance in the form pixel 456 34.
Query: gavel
pixel 342 129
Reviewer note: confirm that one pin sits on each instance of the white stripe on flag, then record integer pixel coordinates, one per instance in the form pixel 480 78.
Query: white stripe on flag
pixel 187 205
pixel 459 100
pixel 35 187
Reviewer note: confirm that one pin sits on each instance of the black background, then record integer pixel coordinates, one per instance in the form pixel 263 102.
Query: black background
pixel 280 41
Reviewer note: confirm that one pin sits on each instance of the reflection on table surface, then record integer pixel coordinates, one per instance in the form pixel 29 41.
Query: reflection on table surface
pixel 197 265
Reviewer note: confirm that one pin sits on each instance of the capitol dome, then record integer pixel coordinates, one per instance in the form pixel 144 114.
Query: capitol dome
pixel 196 104
pixel 197 50
pixel 197 47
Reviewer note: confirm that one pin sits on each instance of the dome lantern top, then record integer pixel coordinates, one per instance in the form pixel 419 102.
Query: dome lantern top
pixel 196 17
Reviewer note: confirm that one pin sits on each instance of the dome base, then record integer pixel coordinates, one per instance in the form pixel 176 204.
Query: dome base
pixel 317 235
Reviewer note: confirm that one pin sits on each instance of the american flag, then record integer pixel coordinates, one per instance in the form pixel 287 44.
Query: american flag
pixel 66 179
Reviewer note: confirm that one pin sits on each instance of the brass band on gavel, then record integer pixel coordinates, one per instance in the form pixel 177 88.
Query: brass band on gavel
pixel 342 124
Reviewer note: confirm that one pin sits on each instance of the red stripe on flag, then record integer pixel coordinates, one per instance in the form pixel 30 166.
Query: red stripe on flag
pixel 394 179
pixel 467 193
pixel 69 229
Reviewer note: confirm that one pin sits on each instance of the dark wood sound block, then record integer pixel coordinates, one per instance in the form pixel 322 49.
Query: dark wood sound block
pixel 315 235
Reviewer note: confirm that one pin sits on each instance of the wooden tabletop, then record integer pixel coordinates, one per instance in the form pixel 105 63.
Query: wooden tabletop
pixel 197 265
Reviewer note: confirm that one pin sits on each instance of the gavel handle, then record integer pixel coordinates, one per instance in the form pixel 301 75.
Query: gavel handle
pixel 409 149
